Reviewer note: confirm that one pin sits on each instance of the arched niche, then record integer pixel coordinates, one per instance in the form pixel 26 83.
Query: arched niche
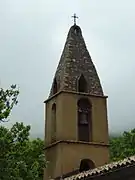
pixel 82 84
pixel 55 86
pixel 53 123
pixel 86 164
pixel 84 120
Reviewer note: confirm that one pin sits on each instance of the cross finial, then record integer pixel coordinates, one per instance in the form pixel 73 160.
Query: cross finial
pixel 75 17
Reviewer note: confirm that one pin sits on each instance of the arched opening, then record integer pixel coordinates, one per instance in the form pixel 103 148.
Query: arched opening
pixel 84 120
pixel 82 84
pixel 53 123
pixel 55 87
pixel 86 164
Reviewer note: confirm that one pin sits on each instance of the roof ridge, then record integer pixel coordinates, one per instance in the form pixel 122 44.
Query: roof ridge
pixel 107 167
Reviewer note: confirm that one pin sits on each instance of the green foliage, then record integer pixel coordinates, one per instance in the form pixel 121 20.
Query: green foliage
pixel 20 158
pixel 122 146
pixel 8 98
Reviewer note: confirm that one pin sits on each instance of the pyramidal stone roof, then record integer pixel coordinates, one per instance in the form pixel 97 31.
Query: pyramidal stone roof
pixel 75 63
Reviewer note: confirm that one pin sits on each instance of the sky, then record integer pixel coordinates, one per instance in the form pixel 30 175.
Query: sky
pixel 32 37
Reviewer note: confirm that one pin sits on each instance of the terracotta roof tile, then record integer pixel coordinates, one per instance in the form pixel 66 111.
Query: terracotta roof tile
pixel 103 169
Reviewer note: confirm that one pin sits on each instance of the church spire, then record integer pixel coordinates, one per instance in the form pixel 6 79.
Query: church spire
pixel 76 113
pixel 76 66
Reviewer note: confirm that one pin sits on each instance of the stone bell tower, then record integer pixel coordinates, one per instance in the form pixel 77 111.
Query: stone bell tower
pixel 76 126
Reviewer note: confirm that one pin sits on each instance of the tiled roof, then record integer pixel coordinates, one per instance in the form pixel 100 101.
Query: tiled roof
pixel 104 169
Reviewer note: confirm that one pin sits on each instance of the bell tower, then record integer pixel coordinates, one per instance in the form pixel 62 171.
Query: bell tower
pixel 76 126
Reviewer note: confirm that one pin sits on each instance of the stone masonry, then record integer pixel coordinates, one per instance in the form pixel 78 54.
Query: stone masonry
pixel 74 62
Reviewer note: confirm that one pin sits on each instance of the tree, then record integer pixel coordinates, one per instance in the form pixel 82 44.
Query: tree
pixel 122 146
pixel 8 98
pixel 20 157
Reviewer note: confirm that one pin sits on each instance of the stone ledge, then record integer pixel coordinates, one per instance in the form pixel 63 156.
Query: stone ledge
pixel 76 142
pixel 74 92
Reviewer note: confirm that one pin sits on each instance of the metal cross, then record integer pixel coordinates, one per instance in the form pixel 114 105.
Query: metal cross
pixel 75 17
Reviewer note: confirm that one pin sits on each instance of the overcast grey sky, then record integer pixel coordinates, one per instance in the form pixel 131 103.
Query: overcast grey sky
pixel 32 36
